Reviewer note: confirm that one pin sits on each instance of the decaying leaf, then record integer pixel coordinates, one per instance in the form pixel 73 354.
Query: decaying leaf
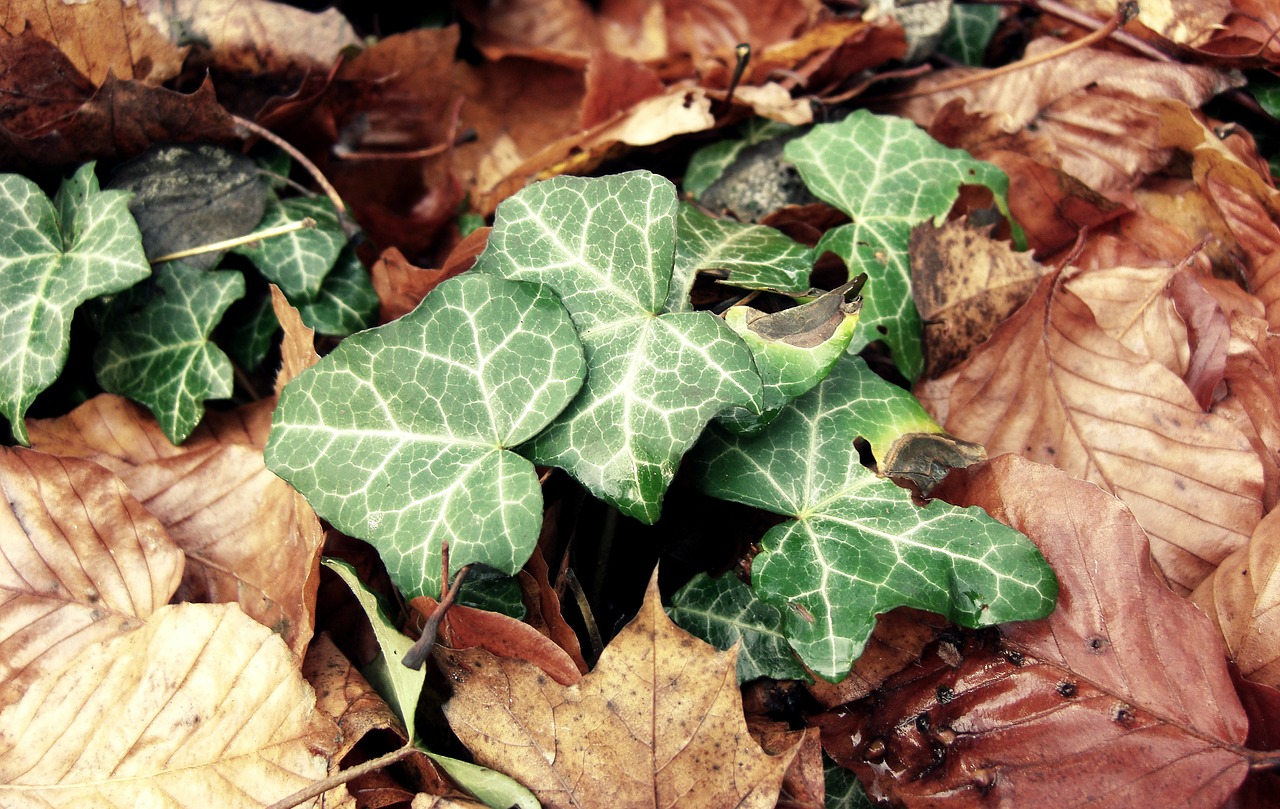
pixel 202 704
pixel 658 722
pixel 80 561
pixel 1094 706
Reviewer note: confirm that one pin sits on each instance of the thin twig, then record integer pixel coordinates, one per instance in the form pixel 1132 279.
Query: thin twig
pixel 292 151
pixel 1124 14
pixel 306 223
pixel 337 779
pixel 417 654
pixel 1056 8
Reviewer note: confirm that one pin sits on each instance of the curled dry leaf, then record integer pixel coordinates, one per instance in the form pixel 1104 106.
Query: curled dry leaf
pixel 298 352
pixel 201 706
pixel 1094 706
pixel 80 561
pixel 659 722
pixel 1184 22
pixel 1253 377
pixel 1052 386
pixel 248 537
pixel 1243 597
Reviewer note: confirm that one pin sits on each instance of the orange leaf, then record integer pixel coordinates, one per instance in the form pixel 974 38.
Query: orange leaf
pixel 659 722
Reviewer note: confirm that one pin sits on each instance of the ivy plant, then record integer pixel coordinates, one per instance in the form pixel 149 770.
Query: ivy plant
pixel 573 344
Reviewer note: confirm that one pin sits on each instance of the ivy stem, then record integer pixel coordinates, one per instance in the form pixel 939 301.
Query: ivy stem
pixel 292 151
pixel 279 230
pixel 337 779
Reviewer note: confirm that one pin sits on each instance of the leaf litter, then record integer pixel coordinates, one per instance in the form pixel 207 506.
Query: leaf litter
pixel 1131 347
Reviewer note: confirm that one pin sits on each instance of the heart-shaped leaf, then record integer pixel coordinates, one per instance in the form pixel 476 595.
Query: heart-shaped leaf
pixel 400 435
pixel 888 176
pixel 858 545
pixel 655 377
pixel 754 256
pixel 160 355
pixel 54 256
pixel 346 302
pixel 298 262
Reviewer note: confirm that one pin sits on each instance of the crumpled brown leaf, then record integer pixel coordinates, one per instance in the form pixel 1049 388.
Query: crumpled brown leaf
pixel 1094 706
pixel 1052 386
pixel 658 722
pixel 201 706
pixel 81 561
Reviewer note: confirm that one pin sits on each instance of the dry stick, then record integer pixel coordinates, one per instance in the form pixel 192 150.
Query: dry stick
pixel 312 169
pixel 1133 43
pixel 337 779
pixel 1126 12
pixel 418 652
pixel 306 223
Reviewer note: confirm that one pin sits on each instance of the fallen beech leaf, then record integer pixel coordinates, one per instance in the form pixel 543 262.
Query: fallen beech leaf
pixel 1262 704
pixel 55 117
pixel 1185 22
pixel 1094 706
pixel 400 285
pixel 80 561
pixel 1253 376
pixel 965 284
pixel 1088 405
pixel 247 536
pixel 658 723
pixel 202 704
pixel 99 38
pixel 1243 598
pixel 1247 36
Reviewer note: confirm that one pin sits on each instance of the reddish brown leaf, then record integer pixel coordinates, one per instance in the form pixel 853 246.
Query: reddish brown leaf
pixel 99 39
pixel 1185 22
pixel 81 561
pixel 1052 386
pixel 55 117
pixel 298 351
pixel 1253 376
pixel 543 605
pixel 1094 706
pixel 1248 36
pixel 898 639
pixel 659 722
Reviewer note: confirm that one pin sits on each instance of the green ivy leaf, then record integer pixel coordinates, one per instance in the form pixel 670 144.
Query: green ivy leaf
pixel 606 247
pixel 724 611
pixel 708 163
pixel 969 31
pixel 755 256
pixel 54 256
pixel 400 435
pixel 858 546
pixel 793 349
pixel 248 330
pixel 844 791
pixel 346 303
pixel 160 355
pixel 298 261
pixel 888 175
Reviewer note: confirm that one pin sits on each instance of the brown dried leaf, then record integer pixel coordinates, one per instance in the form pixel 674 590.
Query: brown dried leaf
pixel 1253 376
pixel 1052 386
pixel 99 39
pixel 248 537
pixel 1185 22
pixel 201 706
pixel 1243 597
pixel 298 351
pixel 965 284
pixel 55 117
pixel 659 722
pixel 81 561
pixel 1123 693
pixel 897 640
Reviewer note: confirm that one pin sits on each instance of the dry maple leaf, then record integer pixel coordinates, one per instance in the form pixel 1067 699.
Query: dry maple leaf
pixel 658 722
pixel 1123 693
pixel 1052 386
pixel 80 561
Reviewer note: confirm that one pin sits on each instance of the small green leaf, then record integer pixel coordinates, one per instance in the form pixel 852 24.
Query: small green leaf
pixel 161 355
pixel 398 684
pixel 723 611
pixel 248 330
pixel 708 163
pixel 346 302
pixel 1266 91
pixel 888 175
pixel 969 32
pixel 298 262
pixel 654 378
pixel 755 256
pixel 844 791
pixel 54 257
pixel 490 787
pixel 858 546
pixel 487 589
pixel 400 435
pixel 794 349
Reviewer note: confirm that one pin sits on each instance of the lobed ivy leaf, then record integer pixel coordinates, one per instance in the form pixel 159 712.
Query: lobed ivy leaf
pixel 161 355
pixel 708 163
pixel 858 545
pixel 969 31
pixel 755 256
pixel 723 611
pixel 346 302
pixel 793 349
pixel 888 175
pixel 400 436
pixel 298 262
pixel 654 377
pixel 54 256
